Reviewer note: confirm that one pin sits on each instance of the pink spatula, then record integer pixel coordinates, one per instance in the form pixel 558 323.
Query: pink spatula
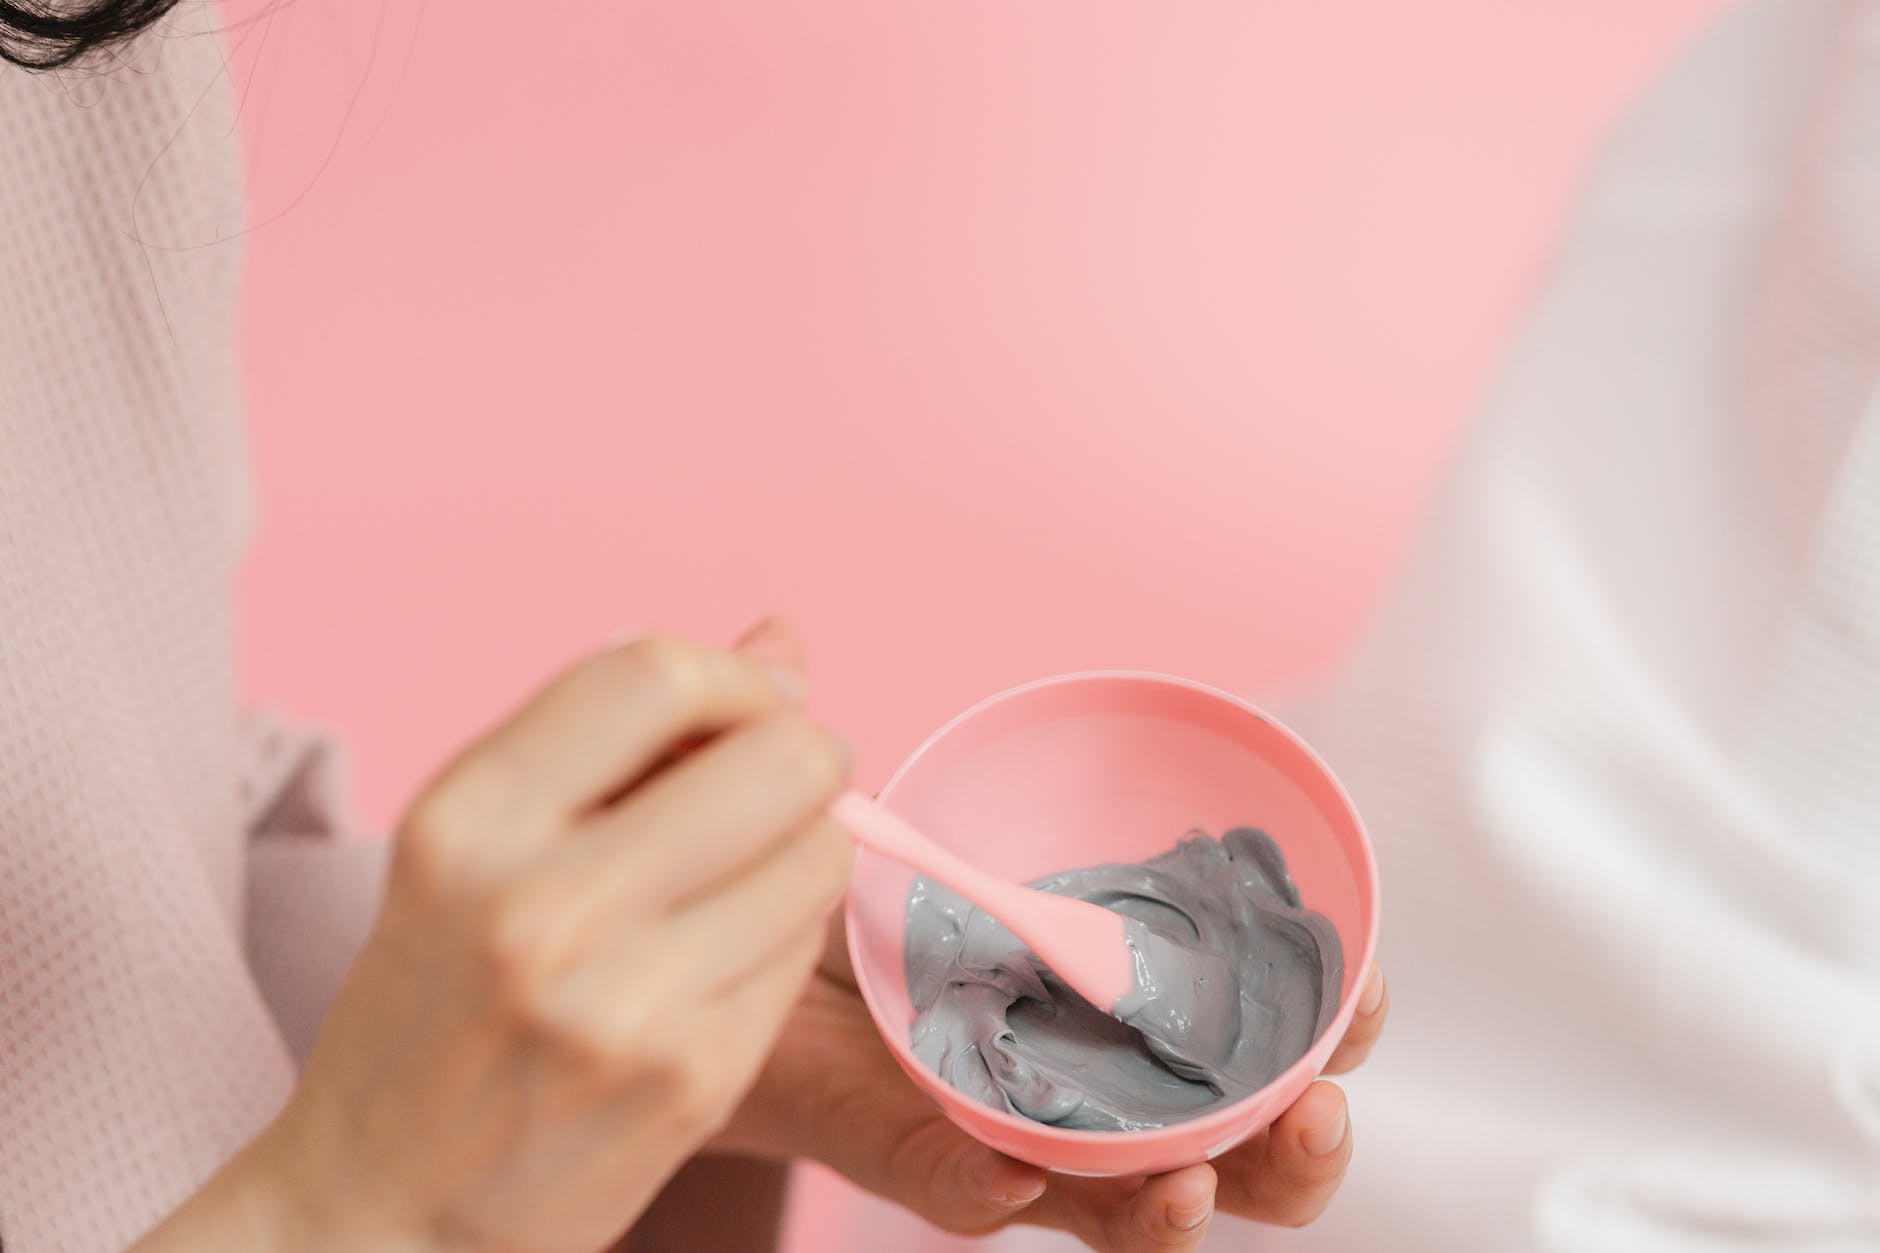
pixel 1085 944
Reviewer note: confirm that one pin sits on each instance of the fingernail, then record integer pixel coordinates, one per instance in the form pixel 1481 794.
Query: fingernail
pixel 1003 1182
pixel 1325 1137
pixel 1189 1219
pixel 1373 992
pixel 789 684
pixel 1022 1195
pixel 760 641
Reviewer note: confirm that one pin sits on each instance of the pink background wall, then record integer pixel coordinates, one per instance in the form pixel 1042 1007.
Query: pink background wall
pixel 985 340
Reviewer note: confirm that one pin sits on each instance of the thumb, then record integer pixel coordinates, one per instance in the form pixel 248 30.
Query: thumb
pixel 958 1184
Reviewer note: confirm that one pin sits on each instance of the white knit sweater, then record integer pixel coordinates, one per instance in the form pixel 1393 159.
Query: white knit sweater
pixel 144 824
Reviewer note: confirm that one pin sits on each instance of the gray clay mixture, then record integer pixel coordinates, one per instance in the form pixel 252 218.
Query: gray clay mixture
pixel 1234 981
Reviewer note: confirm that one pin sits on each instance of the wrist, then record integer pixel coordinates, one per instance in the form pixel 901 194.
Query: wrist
pixel 270 1201
pixel 247 1205
pixel 282 1198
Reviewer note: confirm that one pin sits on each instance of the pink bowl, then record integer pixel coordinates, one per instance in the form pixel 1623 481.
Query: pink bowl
pixel 1113 766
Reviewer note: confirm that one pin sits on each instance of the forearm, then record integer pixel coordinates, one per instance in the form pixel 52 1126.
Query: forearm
pixel 724 1202
pixel 259 1203
pixel 240 1208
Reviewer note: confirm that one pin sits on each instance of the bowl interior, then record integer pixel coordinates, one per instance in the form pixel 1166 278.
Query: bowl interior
pixel 1113 766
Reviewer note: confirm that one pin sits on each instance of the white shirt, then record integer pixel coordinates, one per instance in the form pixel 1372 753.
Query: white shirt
pixel 1617 738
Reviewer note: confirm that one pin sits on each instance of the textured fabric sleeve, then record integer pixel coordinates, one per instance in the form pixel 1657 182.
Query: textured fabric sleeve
pixel 314 880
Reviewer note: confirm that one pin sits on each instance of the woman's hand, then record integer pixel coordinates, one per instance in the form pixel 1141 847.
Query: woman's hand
pixel 588 944
pixel 832 1092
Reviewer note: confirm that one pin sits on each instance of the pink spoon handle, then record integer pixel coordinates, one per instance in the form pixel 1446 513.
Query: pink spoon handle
pixel 1085 944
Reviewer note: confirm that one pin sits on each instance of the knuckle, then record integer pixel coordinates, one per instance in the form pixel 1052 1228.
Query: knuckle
pixel 519 946
pixel 615 1044
pixel 437 818
pixel 932 1162
pixel 449 865
pixel 797 962
pixel 606 1032
pixel 806 752
pixel 918 1156
pixel 477 789
pixel 444 823
pixel 423 861
pixel 828 856
pixel 667 671
pixel 605 1050
pixel 697 1097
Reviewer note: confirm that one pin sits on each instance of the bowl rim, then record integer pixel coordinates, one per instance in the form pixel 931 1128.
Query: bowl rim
pixel 1215 1122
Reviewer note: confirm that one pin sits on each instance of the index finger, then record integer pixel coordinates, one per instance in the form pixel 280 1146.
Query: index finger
pixel 1288 1173
pixel 601 725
